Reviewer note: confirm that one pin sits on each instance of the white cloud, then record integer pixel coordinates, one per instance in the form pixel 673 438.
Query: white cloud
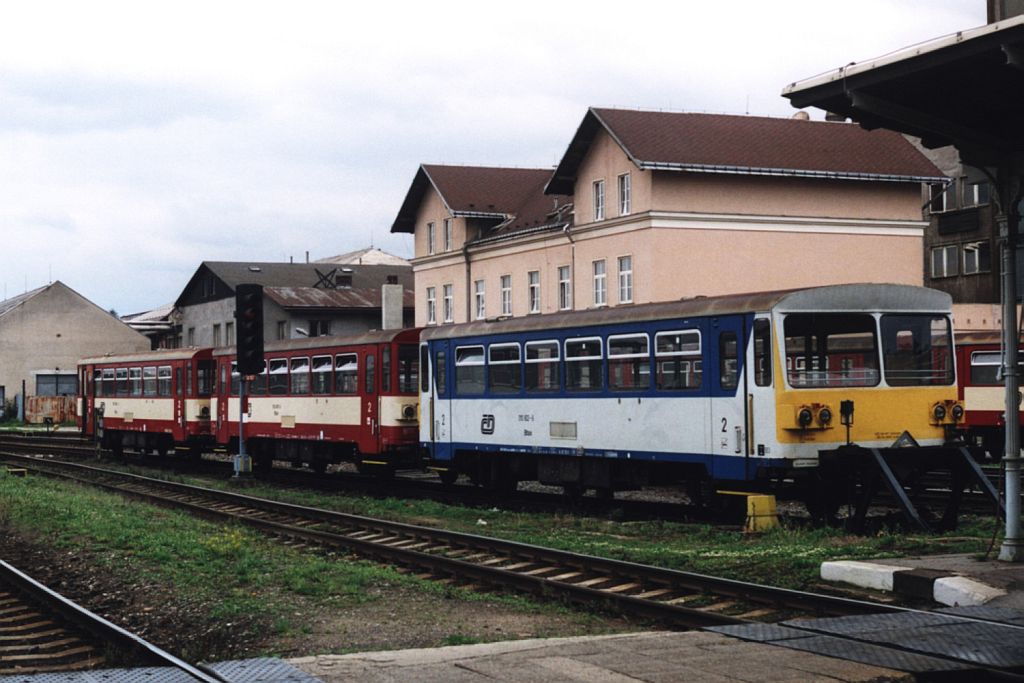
pixel 138 140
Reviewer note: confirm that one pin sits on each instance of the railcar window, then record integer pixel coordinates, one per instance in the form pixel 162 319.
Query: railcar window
pixel 277 376
pixel 583 365
pixel 236 379
pixel 346 374
pixel 408 368
pixel 107 384
pixel 322 373
pixel 371 373
pixel 505 374
pixel 762 353
pixel 205 376
pixel 986 367
pixel 135 381
pixel 629 363
pixel 385 369
pixel 440 378
pixel 728 360
pixel 258 385
pixel 917 350
pixel 149 381
pixel 425 364
pixel 469 370
pixel 831 350
pixel 163 380
pixel 299 375
pixel 178 385
pixel 121 381
pixel 543 371
pixel 677 355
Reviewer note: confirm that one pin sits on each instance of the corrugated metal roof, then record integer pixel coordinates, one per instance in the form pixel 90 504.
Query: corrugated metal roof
pixel 8 305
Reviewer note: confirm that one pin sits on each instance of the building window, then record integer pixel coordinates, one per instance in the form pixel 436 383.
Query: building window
pixel 975 194
pixel 319 328
pixel 625 194
pixel 431 244
pixel 216 335
pixel 448 303
pixel 229 334
pixel 564 288
pixel 431 306
pixel 479 296
pixel 977 258
pixel 598 200
pixel 533 280
pixel 600 284
pixel 61 385
pixel 191 336
pixel 447 234
pixel 625 279
pixel 506 295
pixel 943 197
pixel 944 261
pixel 282 329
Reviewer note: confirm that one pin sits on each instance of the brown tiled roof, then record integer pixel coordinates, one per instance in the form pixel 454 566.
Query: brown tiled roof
pixel 501 193
pixel 717 143
pixel 335 299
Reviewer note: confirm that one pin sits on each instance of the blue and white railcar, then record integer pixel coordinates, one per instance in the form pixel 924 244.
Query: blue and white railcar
pixel 730 389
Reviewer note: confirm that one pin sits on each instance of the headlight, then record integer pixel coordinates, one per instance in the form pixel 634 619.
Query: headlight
pixel 958 412
pixel 804 417
pixel 939 411
pixel 824 416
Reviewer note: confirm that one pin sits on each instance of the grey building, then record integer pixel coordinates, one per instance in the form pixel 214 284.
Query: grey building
pixel 300 299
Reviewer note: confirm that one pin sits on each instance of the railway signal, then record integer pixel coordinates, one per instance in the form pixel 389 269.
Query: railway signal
pixel 249 314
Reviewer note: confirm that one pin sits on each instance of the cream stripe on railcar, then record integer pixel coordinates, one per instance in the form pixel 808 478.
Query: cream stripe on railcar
pixel 133 409
pixel 399 411
pixel 304 410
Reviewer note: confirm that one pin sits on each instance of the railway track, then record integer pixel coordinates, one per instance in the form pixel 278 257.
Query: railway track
pixel 670 597
pixel 41 632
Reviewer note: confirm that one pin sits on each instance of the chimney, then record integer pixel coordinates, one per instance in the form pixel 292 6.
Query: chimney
pixel 392 296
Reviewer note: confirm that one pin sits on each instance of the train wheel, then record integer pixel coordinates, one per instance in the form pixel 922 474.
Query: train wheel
pixel 319 466
pixel 448 476
pixel 574 492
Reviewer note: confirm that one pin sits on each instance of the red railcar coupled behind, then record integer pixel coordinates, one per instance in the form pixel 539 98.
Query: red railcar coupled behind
pixel 152 401
pixel 319 401
pixel 327 399
pixel 979 357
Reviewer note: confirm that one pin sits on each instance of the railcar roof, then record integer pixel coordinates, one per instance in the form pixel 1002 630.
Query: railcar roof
pixel 286 345
pixel 184 353
pixel 834 298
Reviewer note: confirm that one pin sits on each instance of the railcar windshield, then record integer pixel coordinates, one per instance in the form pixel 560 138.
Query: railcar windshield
pixel 408 368
pixel 917 350
pixel 831 350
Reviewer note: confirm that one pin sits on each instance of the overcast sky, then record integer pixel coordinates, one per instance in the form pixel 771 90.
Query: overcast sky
pixel 138 139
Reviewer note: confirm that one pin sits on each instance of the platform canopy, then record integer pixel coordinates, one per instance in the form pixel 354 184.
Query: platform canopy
pixel 965 89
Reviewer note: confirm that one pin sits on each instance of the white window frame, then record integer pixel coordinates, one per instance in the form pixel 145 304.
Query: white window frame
pixel 564 288
pixel 950 262
pixel 625 194
pixel 447 234
pixel 599 200
pixel 448 303
pixel 626 279
pixel 600 282
pixel 975 248
pixel 480 297
pixel 614 356
pixel 431 305
pixel 506 295
pixel 431 238
pixel 533 291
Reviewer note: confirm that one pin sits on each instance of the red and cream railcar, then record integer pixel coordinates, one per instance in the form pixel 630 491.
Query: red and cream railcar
pixel 151 401
pixel 979 356
pixel 325 400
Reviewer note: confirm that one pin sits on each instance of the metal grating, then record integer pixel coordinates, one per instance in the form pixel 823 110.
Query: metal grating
pixel 875 655
pixel 1002 615
pixel 138 675
pixel 263 670
pixel 761 633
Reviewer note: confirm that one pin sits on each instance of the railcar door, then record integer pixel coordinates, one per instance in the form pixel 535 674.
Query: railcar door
pixel 727 344
pixel 440 399
pixel 369 398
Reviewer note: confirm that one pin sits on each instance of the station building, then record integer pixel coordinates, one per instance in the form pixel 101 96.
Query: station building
pixel 653 206
pixel 43 334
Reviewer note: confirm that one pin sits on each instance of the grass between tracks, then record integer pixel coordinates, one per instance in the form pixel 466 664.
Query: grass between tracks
pixel 789 556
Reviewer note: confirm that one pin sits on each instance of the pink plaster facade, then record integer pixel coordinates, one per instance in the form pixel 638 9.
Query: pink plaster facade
pixel 686 234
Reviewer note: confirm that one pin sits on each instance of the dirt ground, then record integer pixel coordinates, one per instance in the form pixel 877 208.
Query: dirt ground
pixel 398 618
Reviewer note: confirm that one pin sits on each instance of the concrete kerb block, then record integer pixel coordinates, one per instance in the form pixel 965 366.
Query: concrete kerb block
pixel 863 574
pixel 962 591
